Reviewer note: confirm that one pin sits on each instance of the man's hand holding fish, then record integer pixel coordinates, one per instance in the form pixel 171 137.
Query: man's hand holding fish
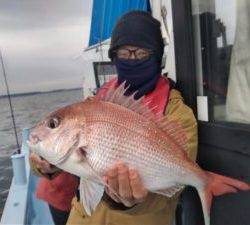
pixel 126 182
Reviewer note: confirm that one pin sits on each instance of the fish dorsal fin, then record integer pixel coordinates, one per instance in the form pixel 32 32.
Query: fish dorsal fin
pixel 117 96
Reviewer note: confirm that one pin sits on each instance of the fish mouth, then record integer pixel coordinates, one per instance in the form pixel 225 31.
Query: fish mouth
pixel 32 145
pixel 33 140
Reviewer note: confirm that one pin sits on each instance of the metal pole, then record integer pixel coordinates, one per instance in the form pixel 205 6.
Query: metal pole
pixel 10 103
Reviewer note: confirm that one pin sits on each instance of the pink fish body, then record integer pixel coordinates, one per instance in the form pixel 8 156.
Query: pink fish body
pixel 85 138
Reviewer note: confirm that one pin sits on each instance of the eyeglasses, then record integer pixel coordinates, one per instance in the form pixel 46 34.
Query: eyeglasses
pixel 139 53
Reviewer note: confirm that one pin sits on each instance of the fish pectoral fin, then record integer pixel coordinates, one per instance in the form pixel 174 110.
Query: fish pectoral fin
pixel 169 192
pixel 91 193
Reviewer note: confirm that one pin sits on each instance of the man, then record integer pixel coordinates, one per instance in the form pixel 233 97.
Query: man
pixel 136 50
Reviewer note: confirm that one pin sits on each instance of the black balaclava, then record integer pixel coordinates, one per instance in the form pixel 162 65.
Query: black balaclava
pixel 138 28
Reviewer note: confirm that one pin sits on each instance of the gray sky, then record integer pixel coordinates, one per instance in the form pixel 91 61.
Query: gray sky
pixel 40 41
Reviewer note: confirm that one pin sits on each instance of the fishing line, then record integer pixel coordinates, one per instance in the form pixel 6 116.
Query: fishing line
pixel 10 103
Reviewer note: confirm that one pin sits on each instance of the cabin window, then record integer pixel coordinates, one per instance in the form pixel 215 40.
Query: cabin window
pixel 222 56
pixel 104 72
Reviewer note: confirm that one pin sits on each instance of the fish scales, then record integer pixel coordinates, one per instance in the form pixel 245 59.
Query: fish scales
pixel 133 122
pixel 122 137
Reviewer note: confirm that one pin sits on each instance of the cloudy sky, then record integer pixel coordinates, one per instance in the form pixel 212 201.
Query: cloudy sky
pixel 40 41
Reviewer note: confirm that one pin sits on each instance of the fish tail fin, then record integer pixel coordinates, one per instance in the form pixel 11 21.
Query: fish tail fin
pixel 218 185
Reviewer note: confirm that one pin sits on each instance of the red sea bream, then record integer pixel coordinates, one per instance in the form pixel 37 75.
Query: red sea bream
pixel 87 137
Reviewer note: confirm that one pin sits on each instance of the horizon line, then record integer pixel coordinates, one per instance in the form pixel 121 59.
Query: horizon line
pixel 39 92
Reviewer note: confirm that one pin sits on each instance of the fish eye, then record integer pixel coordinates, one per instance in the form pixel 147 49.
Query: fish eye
pixel 54 122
